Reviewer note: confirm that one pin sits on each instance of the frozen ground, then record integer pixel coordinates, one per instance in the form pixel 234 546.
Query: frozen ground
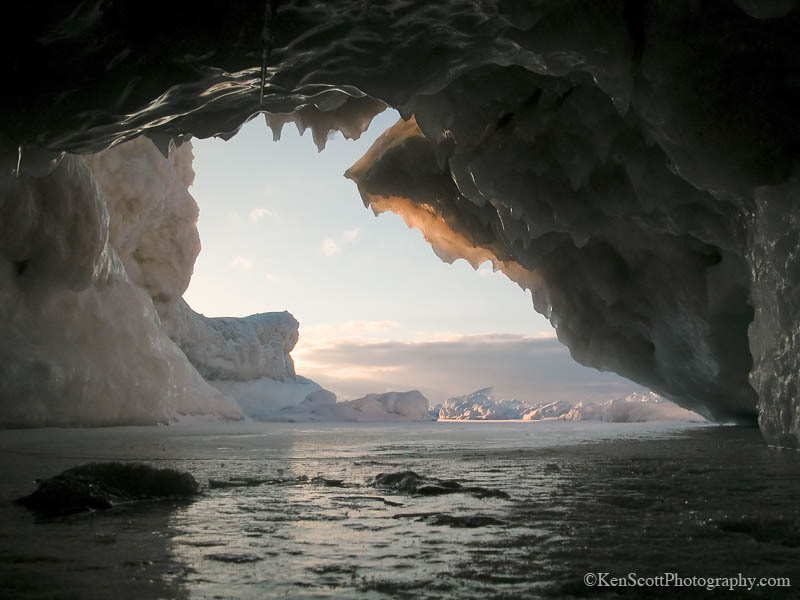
pixel 646 498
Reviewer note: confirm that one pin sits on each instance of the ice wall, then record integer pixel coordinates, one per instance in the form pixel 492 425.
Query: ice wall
pixel 237 349
pixel 152 216
pixel 628 161
pixel 80 340
pixel 95 256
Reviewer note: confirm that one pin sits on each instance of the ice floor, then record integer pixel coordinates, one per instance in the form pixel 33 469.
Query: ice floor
pixel 645 498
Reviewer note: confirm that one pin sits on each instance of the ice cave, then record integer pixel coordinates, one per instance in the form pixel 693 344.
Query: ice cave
pixel 635 164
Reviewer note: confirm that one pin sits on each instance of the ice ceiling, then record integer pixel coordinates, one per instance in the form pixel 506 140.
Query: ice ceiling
pixel 634 163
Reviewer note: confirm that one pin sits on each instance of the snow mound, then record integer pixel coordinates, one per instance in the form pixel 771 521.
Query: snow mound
pixel 631 409
pixel 321 405
pixel 266 399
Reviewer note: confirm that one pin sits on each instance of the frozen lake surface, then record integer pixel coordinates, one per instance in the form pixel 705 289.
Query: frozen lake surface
pixel 648 498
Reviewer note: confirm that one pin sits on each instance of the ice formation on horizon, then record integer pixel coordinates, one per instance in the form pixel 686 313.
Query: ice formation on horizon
pixel 321 405
pixel 483 405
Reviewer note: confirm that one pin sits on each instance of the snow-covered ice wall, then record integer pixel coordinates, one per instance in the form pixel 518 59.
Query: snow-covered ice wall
pixel 82 343
pixel 634 163
pixel 96 256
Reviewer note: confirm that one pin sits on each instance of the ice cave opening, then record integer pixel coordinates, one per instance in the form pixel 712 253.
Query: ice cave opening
pixel 376 314
pixel 626 162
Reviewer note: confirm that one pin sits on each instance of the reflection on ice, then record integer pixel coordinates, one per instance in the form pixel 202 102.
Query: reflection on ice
pixel 304 510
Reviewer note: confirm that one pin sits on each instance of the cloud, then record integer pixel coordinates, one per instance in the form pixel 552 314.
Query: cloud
pixel 242 263
pixel 536 369
pixel 349 235
pixel 272 278
pixel 259 213
pixel 332 246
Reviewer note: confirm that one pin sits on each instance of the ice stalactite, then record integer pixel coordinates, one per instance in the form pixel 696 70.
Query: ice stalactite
pixel 329 113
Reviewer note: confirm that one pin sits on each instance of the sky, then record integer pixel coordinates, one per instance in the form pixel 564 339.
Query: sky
pixel 282 229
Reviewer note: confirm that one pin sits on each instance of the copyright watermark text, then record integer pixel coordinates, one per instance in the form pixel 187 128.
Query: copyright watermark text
pixel 737 582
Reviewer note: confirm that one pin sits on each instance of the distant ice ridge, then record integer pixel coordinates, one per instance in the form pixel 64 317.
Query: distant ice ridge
pixel 633 408
pixel 303 400
pixel 482 405
pixel 321 405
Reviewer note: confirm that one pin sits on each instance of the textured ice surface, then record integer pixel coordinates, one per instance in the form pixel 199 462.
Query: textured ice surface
pixel 584 497
pixel 152 217
pixel 238 349
pixel 775 331
pixel 81 340
pixel 616 158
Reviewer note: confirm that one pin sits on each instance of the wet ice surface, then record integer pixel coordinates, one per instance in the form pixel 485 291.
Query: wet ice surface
pixel 290 512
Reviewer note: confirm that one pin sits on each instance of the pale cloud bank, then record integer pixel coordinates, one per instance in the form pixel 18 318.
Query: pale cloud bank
pixel 333 245
pixel 537 369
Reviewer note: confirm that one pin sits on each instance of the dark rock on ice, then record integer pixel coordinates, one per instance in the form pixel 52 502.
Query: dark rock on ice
pixel 235 483
pixel 319 480
pixel 482 492
pixel 401 481
pixel 368 498
pixel 462 521
pixel 237 559
pixel 442 519
pixel 100 486
pixel 409 482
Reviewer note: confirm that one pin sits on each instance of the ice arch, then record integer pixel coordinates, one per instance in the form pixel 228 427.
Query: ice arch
pixel 634 162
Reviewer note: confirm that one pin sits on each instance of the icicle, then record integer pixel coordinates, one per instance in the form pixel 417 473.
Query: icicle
pixel 162 141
